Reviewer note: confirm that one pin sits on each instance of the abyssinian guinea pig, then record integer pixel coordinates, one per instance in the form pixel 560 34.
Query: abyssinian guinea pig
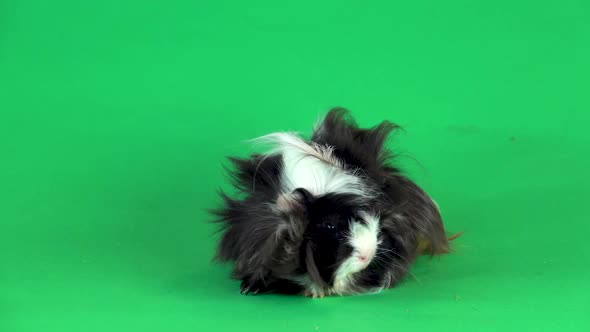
pixel 326 216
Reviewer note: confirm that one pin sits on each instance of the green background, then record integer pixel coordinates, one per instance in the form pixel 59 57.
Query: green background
pixel 116 117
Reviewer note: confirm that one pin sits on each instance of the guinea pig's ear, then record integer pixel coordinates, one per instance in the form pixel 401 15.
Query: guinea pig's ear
pixel 303 195
pixel 297 201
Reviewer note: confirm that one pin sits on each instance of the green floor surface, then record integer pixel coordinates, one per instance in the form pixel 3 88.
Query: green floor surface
pixel 115 117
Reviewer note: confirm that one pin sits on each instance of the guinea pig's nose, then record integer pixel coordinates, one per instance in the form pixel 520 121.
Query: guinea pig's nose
pixel 364 256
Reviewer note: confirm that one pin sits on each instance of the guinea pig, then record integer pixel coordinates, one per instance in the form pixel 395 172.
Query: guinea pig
pixel 330 215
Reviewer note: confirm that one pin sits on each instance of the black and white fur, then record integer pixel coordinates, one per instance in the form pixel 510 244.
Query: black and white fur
pixel 326 216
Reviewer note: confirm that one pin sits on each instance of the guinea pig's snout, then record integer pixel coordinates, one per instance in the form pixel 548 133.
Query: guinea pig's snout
pixel 365 256
pixel 364 238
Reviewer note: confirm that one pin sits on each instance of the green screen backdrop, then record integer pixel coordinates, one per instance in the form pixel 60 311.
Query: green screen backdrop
pixel 116 116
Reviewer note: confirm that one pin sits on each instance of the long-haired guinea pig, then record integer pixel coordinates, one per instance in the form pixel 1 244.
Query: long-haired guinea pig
pixel 326 216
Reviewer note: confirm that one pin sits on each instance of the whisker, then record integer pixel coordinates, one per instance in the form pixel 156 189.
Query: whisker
pixel 383 263
pixel 391 251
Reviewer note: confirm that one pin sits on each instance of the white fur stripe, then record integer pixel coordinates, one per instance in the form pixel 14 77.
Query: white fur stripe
pixel 290 141
pixel 313 167
pixel 364 239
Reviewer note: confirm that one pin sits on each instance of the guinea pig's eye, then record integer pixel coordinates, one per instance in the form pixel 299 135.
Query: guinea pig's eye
pixel 327 226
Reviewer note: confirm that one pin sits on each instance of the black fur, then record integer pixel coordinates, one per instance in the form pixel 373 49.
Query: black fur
pixel 271 247
pixel 360 149
pixel 328 217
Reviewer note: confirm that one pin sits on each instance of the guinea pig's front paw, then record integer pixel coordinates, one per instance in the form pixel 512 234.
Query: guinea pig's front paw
pixel 252 287
pixel 315 293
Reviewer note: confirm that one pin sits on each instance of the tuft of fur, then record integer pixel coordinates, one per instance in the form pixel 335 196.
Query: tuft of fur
pixel 308 210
